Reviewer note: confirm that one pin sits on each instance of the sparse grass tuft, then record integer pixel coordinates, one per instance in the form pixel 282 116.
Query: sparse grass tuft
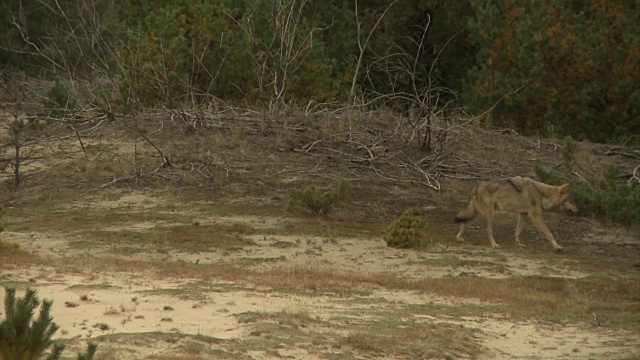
pixel 112 311
pixel 8 247
pixel 366 342
pixel 102 326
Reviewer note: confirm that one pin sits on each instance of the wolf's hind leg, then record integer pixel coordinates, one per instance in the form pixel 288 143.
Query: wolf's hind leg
pixel 519 231
pixel 459 236
pixel 492 241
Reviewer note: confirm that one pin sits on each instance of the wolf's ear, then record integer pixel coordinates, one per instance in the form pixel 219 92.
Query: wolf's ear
pixel 564 189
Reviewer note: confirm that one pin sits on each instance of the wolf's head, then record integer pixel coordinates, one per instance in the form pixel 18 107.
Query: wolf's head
pixel 558 197
pixel 566 199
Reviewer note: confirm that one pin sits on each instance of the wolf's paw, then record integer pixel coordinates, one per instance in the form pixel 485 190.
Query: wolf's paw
pixel 520 245
pixel 495 246
pixel 459 239
pixel 557 247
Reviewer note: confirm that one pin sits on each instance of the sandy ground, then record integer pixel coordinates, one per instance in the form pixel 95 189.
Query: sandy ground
pixel 90 305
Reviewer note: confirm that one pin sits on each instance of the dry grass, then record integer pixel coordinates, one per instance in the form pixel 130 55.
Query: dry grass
pixel 368 343
pixel 6 247
pixel 289 317
pixel 393 335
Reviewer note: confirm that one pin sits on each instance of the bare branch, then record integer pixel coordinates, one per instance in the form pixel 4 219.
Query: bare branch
pixel 634 176
pixel 362 47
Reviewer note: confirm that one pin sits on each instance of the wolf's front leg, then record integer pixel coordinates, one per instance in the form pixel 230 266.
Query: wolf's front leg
pixel 518 232
pixel 536 219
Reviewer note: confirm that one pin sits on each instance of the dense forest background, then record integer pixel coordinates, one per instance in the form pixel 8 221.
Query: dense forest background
pixel 554 68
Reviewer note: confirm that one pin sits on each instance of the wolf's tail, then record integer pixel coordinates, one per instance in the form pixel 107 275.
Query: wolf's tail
pixel 469 213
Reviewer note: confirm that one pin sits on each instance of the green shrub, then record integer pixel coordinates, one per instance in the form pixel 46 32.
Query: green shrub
pixel 59 99
pixel 550 178
pixel 568 152
pixel 607 200
pixel 318 201
pixel 406 232
pixel 23 338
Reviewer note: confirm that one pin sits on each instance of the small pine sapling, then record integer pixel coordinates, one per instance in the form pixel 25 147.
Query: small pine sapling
pixel 406 232
pixel 318 201
pixel 25 338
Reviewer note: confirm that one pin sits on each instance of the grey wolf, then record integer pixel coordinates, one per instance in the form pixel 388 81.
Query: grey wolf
pixel 519 195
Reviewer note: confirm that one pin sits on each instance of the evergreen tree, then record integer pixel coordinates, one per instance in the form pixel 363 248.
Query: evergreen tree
pixel 25 338
pixel 577 64
pixel 22 337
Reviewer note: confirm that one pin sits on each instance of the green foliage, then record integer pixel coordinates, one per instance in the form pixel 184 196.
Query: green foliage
pixel 186 51
pixel 615 202
pixel 38 34
pixel 20 337
pixel 318 201
pixel 575 61
pixel 608 200
pixel 548 177
pixel 406 232
pixel 568 152
pixel 91 352
pixel 59 99
pixel 182 51
pixel 25 338
pixel 163 52
pixel 402 56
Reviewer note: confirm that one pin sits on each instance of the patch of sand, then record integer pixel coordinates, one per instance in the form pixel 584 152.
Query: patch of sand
pixel 354 254
pixel 535 340
pixel 120 304
pixel 256 222
pixel 92 305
